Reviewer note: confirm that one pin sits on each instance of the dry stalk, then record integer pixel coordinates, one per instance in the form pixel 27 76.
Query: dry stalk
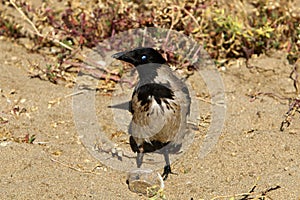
pixel 37 32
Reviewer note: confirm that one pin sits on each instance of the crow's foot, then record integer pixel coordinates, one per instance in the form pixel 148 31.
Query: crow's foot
pixel 167 171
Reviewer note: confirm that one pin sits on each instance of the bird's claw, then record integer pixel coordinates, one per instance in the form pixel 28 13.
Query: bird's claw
pixel 167 171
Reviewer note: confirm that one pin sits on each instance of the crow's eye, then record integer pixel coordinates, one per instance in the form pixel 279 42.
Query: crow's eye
pixel 144 58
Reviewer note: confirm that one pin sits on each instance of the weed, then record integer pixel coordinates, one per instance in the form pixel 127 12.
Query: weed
pixel 228 30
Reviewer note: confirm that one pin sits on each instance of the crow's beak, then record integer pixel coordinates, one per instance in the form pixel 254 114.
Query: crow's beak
pixel 125 56
pixel 120 55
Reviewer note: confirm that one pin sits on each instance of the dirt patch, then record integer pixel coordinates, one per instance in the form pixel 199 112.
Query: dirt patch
pixel 251 150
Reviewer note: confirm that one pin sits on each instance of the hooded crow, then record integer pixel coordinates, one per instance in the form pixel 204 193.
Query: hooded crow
pixel 160 104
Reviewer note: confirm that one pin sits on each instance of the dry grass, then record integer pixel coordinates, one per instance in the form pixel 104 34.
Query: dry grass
pixel 227 30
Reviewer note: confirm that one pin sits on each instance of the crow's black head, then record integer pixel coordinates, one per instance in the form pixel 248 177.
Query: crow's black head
pixel 140 56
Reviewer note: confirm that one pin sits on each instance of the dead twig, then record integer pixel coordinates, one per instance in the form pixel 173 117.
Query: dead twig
pixel 251 194
pixel 294 76
pixel 269 94
pixel 295 102
pixel 293 108
pixel 74 168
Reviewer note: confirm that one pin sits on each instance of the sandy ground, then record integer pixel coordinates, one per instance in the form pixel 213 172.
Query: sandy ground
pixel 251 150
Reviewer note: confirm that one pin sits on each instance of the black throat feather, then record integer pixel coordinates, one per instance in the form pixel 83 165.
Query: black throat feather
pixel 158 91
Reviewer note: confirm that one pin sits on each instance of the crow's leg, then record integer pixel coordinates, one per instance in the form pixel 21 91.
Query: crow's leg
pixel 139 159
pixel 167 168
pixel 138 149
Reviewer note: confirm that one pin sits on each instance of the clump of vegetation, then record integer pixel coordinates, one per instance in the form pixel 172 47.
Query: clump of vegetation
pixel 6 136
pixel 10 29
pixel 227 30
